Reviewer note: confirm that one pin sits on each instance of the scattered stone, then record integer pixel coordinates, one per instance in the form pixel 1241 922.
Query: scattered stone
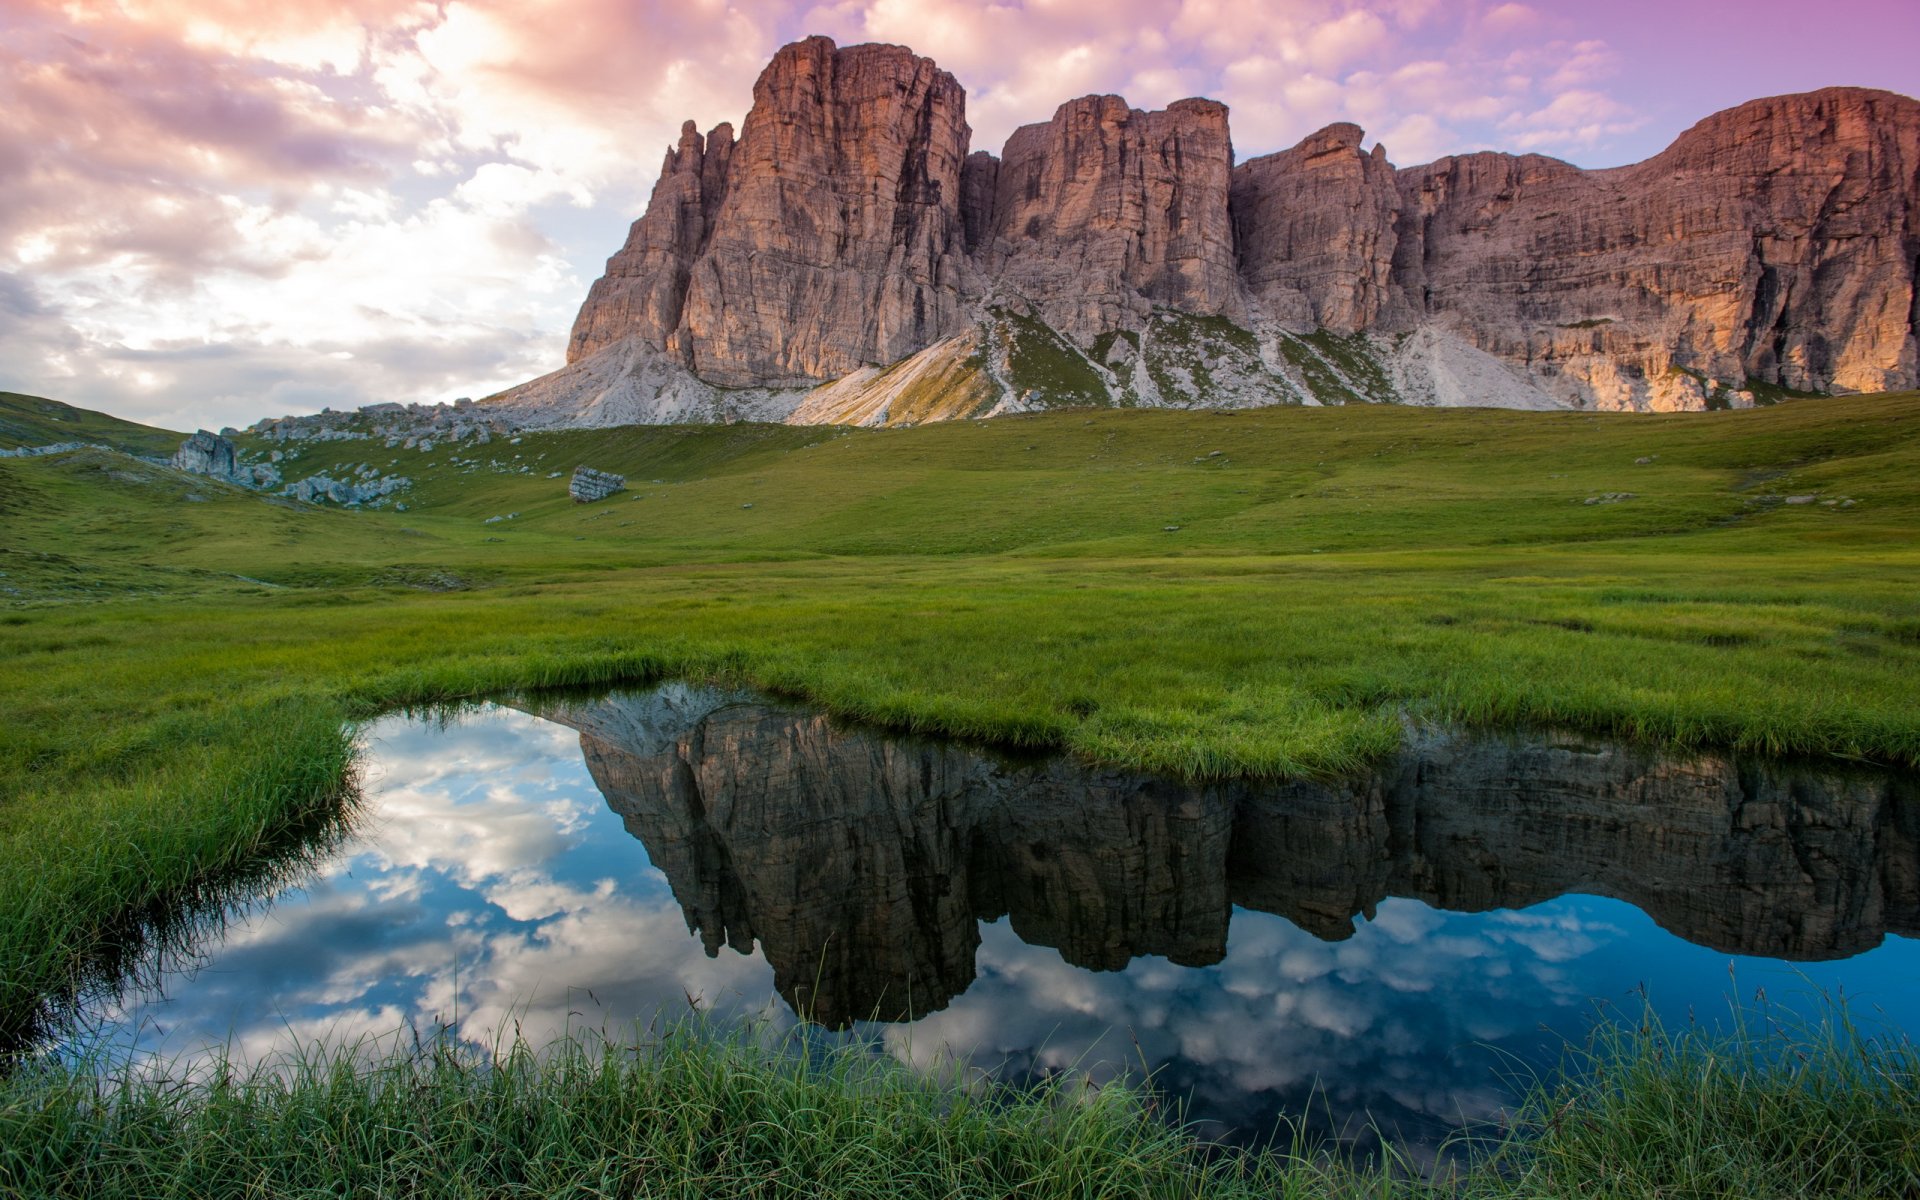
pixel 1641 462
pixel 317 488
pixel 589 485
pixel 56 448
pixel 1809 499
pixel 746 505
pixel 1609 498
pixel 1171 528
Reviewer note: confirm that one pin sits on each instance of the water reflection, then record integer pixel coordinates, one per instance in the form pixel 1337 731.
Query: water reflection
pixel 861 864
pixel 1378 944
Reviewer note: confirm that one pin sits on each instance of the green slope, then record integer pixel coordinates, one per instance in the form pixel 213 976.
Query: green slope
pixel 37 421
pixel 177 656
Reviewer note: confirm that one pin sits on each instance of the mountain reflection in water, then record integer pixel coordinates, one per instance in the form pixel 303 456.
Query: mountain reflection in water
pixel 1381 947
pixel 862 864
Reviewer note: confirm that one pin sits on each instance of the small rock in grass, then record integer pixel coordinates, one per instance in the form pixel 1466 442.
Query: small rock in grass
pixel 746 506
pixel 1641 462
pixel 1171 528
pixel 1809 499
pixel 589 485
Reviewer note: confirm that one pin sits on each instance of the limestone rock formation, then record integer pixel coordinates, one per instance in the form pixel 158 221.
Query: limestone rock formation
pixel 1314 231
pixel 1771 250
pixel 1775 242
pixel 215 456
pixel 205 453
pixel 645 287
pixel 1105 211
pixel 588 485
pixel 828 238
pixel 860 864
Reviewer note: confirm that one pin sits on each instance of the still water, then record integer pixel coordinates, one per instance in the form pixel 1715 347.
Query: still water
pixel 1388 950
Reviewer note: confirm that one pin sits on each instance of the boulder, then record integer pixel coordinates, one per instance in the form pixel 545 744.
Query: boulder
pixel 589 485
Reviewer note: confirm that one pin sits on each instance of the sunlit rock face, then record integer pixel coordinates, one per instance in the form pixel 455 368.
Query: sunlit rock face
pixel 849 228
pixel 1105 211
pixel 861 864
pixel 1314 229
pixel 1774 242
pixel 826 239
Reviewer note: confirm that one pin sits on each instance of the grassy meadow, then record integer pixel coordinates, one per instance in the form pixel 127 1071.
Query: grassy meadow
pixel 1642 1111
pixel 1258 592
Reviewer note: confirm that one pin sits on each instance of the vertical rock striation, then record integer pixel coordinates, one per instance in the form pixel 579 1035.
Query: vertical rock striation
pixel 645 288
pixel 828 238
pixel 1776 242
pixel 1314 231
pixel 1105 211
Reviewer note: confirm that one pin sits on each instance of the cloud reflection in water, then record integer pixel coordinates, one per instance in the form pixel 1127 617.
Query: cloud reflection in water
pixel 495 883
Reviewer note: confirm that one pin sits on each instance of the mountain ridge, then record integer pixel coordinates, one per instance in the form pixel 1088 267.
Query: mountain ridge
pixel 850 249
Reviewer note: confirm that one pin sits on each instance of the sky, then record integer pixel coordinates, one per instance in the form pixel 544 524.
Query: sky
pixel 214 211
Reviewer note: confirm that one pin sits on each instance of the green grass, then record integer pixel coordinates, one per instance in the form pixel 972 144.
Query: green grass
pixel 1774 1106
pixel 1819 1111
pixel 37 421
pixel 178 657
pixel 1043 367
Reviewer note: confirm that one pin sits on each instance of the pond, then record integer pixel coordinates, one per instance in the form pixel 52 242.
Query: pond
pixel 1387 950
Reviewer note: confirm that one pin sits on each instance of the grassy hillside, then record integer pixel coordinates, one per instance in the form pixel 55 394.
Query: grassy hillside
pixel 1204 593
pixel 37 421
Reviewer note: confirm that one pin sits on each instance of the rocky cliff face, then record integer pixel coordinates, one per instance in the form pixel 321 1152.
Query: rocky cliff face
pixel 827 238
pixel 1314 229
pixel 1773 248
pixel 861 864
pixel 1105 211
pixel 1776 242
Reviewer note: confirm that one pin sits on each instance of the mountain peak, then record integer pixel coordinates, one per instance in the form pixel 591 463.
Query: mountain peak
pixel 851 227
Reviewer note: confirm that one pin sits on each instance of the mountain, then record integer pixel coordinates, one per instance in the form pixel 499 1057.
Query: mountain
pixel 848 259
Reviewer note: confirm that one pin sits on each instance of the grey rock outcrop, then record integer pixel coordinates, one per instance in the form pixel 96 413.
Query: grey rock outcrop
pixel 205 453
pixel 55 448
pixel 861 864
pixel 588 485
pixel 316 489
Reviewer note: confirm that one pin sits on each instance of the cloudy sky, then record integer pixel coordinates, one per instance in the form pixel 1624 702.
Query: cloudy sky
pixel 219 210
